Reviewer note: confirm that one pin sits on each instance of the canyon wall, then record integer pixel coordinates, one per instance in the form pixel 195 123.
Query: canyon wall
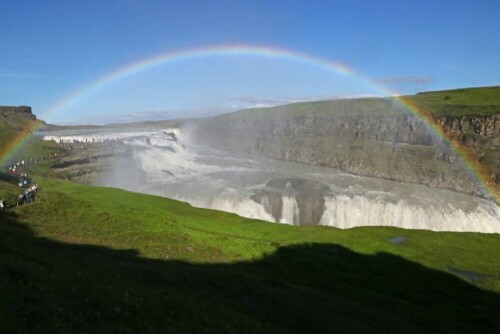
pixel 371 137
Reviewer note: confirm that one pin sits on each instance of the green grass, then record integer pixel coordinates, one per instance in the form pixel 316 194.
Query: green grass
pixel 90 259
pixel 481 101
pixel 480 96
pixel 15 128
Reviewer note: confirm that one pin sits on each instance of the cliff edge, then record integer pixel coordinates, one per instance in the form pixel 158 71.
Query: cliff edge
pixel 374 136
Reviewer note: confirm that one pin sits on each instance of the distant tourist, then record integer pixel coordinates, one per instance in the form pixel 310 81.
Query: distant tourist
pixel 2 205
pixel 26 197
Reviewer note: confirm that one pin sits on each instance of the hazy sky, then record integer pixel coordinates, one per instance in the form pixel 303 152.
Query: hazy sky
pixel 51 49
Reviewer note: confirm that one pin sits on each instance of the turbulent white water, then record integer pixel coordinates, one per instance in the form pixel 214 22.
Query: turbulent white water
pixel 345 212
pixel 290 209
pixel 208 178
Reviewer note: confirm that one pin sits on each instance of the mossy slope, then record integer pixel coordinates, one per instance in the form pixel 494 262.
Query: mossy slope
pixel 86 259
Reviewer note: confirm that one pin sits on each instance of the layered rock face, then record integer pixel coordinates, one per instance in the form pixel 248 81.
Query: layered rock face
pixel 480 135
pixel 21 109
pixel 481 132
pixel 485 126
pixel 86 163
pixel 371 137
pixel 16 120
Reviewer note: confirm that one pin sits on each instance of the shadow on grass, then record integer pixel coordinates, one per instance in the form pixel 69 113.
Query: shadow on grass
pixel 9 178
pixel 48 286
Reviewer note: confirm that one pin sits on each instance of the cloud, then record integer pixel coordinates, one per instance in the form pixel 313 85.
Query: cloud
pixel 263 102
pixel 118 118
pixel 401 80
pixel 142 116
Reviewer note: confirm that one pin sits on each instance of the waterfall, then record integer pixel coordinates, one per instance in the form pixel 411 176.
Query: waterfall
pixel 290 210
pixel 161 164
pixel 345 212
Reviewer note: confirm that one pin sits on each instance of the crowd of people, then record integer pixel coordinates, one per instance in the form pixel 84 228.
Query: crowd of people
pixel 85 144
pixel 87 140
pixel 15 168
pixel 29 194
pixel 29 188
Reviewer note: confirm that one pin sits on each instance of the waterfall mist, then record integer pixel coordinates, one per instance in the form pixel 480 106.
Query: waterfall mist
pixel 167 162
pixel 174 162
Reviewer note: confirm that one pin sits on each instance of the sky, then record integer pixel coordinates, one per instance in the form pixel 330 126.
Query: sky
pixel 53 53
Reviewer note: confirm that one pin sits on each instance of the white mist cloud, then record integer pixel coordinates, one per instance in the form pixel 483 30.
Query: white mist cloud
pixel 142 116
pixel 232 104
pixel 262 102
pixel 401 80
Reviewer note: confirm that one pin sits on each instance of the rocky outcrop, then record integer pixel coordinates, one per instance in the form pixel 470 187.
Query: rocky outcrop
pixel 86 163
pixel 272 202
pixel 487 127
pixel 309 196
pixel 371 137
pixel 480 134
pixel 20 109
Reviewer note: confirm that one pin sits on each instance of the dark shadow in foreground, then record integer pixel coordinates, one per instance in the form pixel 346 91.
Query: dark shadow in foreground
pixel 48 286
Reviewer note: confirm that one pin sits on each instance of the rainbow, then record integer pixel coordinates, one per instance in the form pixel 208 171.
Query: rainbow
pixel 473 168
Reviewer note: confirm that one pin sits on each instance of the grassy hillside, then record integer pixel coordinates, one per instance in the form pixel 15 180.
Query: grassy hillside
pixel 100 260
pixel 482 101
pixel 16 128
pixel 487 96
pixel 92 259
pixel 17 143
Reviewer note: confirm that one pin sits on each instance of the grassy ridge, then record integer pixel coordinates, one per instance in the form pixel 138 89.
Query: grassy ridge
pixel 483 101
pixel 97 259
pixel 486 96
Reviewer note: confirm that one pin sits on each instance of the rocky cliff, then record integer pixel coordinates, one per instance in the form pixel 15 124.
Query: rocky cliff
pixel 20 109
pixel 372 137
pixel 16 122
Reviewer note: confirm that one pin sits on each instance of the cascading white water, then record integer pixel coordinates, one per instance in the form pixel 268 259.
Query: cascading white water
pixel 290 208
pixel 244 207
pixel 226 181
pixel 290 212
pixel 346 212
